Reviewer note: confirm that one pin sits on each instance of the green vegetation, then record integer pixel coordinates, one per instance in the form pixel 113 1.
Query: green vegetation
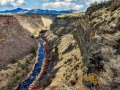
pixel 91 78
pixel 32 36
pixel 13 61
pixel 112 4
pixel 117 46
pixel 36 32
pixel 6 15
pixel 72 82
pixel 20 71
pixel 33 51
pixel 55 54
pixel 75 15
pixel 44 84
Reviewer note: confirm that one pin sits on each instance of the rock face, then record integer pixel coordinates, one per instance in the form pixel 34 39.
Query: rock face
pixel 85 51
pixel 68 65
pixel 34 23
pixel 30 22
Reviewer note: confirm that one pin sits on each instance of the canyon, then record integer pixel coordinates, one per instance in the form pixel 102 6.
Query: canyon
pixel 82 52
pixel 18 46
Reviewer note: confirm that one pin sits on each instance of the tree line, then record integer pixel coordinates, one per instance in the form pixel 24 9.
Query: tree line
pixel 111 5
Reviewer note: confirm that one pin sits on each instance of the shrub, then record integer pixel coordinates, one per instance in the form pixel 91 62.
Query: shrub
pixel 112 4
pixel 32 36
pixel 72 82
pixel 13 61
pixel 33 51
pixel 84 68
pixel 91 79
pixel 26 69
pixel 22 66
pixel 115 5
pixel 55 54
pixel 36 32
pixel 27 61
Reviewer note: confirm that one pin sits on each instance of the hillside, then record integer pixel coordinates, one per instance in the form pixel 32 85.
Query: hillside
pixel 35 23
pixel 18 46
pixel 83 51
pixel 16 32
pixel 15 41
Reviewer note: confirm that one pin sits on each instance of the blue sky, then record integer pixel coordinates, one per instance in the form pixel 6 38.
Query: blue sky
pixel 80 5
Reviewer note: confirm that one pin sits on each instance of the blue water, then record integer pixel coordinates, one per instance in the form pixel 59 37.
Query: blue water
pixel 37 68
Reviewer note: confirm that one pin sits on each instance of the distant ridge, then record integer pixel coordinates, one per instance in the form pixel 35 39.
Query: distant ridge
pixel 36 11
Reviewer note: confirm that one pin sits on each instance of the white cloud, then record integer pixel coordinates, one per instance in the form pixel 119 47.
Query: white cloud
pixel 14 3
pixel 88 2
pixel 62 5
pixel 18 3
pixel 3 2
pixel 66 0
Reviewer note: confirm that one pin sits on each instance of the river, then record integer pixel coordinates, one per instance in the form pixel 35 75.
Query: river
pixel 37 68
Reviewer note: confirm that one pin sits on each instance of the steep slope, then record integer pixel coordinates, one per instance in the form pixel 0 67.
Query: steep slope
pixel 47 20
pixel 32 23
pixel 15 41
pixel 35 23
pixel 105 46
pixel 16 72
pixel 84 50
pixel 63 70
pixel 18 46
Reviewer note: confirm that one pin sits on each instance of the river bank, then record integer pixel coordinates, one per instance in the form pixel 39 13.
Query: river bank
pixel 36 59
pixel 36 68
pixel 35 84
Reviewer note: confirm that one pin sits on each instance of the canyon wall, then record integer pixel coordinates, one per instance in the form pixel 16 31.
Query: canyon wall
pixel 15 41
pixel 16 32
pixel 35 23
pixel 84 51
pixel 18 46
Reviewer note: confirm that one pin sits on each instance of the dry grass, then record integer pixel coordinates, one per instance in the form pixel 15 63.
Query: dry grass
pixel 15 73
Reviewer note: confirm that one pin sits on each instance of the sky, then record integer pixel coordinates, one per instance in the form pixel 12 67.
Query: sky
pixel 79 5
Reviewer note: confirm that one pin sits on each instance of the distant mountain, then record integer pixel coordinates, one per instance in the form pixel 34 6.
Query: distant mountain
pixel 35 11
